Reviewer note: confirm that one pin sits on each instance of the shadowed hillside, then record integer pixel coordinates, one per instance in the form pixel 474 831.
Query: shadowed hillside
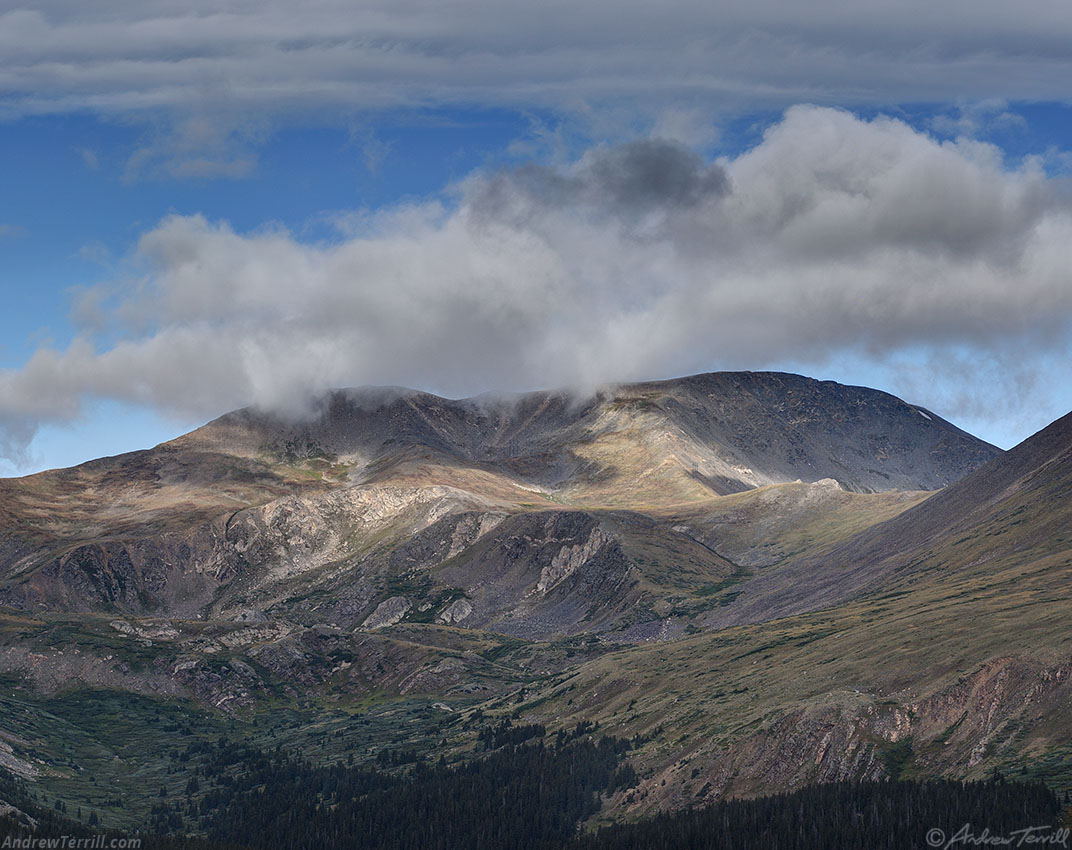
pixel 1017 507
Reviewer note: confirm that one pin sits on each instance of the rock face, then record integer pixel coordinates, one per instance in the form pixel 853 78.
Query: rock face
pixel 456 612
pixel 947 731
pixel 570 559
pixel 388 612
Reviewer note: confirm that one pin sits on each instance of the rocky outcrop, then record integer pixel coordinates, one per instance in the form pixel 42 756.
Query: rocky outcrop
pixel 456 612
pixel 182 574
pixel 981 715
pixel 569 559
pixel 388 612
pixel 544 574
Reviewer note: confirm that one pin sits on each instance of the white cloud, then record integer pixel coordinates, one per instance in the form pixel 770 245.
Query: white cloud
pixel 636 261
pixel 692 127
pixel 199 146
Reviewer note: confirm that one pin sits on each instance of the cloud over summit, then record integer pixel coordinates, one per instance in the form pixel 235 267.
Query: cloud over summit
pixel 635 261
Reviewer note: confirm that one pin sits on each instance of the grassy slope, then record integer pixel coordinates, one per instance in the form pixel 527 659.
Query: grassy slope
pixel 711 693
pixel 870 664
pixel 976 601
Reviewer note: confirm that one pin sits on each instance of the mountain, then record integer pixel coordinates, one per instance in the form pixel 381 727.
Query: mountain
pixel 762 581
pixel 255 512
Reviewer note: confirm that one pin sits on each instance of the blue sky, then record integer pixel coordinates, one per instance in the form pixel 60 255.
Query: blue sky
pixel 209 205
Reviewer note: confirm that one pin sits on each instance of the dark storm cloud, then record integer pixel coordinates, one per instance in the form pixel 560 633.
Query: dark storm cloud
pixel 625 181
pixel 654 173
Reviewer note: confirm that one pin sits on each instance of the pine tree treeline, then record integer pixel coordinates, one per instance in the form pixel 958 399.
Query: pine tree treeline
pixel 872 815
pixel 522 795
pixel 532 795
pixel 506 734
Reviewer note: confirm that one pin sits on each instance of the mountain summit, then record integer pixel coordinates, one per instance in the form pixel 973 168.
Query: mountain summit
pixel 254 511
pixel 724 432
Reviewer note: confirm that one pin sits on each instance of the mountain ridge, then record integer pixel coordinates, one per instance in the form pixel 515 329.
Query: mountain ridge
pixel 727 409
